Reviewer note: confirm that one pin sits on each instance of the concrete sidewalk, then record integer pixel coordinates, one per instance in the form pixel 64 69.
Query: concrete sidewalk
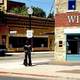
pixel 44 68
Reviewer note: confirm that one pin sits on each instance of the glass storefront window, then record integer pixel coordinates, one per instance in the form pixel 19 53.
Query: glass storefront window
pixel 40 42
pixel 17 42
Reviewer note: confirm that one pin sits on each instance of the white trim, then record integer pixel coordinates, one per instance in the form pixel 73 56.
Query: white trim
pixel 72 31
pixel 72 11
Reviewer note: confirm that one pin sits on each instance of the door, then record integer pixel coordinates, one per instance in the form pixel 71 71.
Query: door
pixel 73 47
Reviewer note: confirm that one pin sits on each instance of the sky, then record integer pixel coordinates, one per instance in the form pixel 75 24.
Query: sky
pixel 46 5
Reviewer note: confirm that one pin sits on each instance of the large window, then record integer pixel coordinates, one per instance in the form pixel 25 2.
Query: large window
pixel 73 44
pixel 71 4
pixel 17 42
pixel 40 42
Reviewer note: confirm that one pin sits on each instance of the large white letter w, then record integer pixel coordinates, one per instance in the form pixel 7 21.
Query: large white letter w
pixel 71 19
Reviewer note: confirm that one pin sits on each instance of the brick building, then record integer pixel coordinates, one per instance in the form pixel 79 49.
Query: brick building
pixel 13 4
pixel 13 29
pixel 67 30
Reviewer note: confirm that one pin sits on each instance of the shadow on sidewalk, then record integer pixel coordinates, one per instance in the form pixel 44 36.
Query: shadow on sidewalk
pixel 6 55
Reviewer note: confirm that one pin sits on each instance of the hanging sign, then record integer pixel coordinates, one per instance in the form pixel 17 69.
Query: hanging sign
pixel 29 33
pixel 1 1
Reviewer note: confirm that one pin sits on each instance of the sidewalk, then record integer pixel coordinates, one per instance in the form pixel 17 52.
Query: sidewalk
pixel 42 68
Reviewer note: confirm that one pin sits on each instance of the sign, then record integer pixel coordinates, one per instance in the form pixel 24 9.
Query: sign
pixel 67 19
pixel 13 32
pixel 72 19
pixel 29 33
pixel 1 1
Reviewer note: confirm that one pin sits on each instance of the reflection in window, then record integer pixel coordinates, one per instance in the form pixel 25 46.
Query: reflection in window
pixel 71 4
pixel 17 42
pixel 40 42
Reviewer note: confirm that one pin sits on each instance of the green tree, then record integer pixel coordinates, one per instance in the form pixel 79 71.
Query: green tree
pixel 38 12
pixel 50 15
pixel 21 10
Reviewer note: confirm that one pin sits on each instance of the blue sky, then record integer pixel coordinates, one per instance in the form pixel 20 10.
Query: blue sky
pixel 44 4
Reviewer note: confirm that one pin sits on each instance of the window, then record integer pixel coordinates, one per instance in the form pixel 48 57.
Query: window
pixel 17 42
pixel 71 4
pixel 40 42
pixel 60 43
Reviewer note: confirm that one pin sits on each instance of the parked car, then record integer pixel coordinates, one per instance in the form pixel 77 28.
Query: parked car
pixel 2 50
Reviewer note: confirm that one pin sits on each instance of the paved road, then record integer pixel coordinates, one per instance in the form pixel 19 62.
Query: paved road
pixel 17 78
pixel 23 78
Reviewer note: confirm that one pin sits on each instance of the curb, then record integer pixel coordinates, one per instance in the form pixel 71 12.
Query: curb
pixel 25 74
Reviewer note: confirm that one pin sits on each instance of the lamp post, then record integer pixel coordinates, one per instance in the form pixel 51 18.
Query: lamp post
pixel 29 37
pixel 30 12
pixel 30 32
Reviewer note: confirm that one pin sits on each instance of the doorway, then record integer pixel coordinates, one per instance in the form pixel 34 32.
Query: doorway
pixel 73 47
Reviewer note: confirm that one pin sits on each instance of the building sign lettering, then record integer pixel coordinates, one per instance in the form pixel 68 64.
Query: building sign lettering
pixel 73 19
pixel 67 19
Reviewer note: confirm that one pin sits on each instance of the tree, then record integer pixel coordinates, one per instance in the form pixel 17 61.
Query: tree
pixel 50 15
pixel 38 12
pixel 21 10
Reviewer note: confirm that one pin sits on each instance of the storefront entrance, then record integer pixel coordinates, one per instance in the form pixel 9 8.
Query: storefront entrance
pixel 73 47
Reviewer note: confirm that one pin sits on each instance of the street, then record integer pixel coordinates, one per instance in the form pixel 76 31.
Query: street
pixel 17 78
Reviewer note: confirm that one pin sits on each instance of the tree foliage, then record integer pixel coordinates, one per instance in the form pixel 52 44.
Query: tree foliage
pixel 50 15
pixel 38 12
pixel 21 11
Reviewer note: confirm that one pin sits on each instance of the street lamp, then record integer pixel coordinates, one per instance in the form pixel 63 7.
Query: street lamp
pixel 30 32
pixel 29 37
pixel 30 12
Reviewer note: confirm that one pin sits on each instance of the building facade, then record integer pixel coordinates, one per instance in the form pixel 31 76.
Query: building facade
pixel 67 30
pixel 13 33
pixel 13 4
pixel 3 5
